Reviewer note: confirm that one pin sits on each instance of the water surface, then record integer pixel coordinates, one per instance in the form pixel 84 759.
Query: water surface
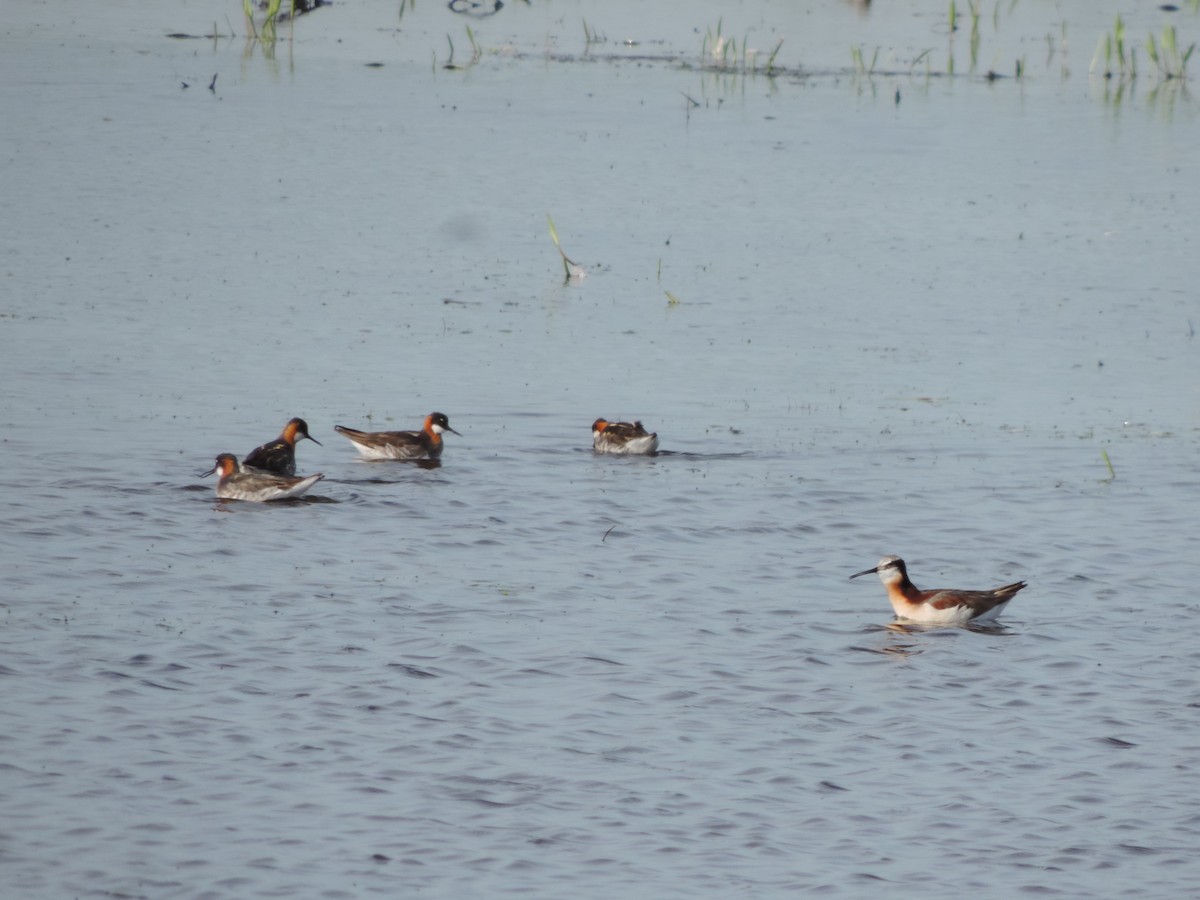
pixel 909 328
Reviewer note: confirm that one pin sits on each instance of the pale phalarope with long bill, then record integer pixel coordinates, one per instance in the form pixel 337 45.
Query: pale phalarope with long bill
pixel 940 607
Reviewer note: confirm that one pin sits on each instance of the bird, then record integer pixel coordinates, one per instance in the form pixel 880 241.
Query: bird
pixel 236 484
pixel 279 456
pixel 423 444
pixel 941 607
pixel 622 437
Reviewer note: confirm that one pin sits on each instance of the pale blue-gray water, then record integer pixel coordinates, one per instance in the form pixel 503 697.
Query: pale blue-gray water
pixel 900 312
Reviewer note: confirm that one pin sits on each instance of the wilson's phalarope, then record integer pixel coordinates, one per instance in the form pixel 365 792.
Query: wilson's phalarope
pixel 279 456
pixel 944 607
pixel 423 444
pixel 234 484
pixel 622 437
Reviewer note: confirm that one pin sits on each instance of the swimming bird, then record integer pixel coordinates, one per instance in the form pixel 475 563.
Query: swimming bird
pixel 234 484
pixel 423 444
pixel 622 437
pixel 279 456
pixel 942 607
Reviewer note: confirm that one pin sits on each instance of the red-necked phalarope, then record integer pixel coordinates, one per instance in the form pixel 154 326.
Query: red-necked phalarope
pixel 279 456
pixel 622 437
pixel 423 444
pixel 234 484
pixel 944 607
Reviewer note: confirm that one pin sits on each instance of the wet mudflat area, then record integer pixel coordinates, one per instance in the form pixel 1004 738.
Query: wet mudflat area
pixel 871 301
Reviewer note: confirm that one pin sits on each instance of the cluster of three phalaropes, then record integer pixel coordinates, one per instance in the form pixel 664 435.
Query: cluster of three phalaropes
pixel 269 472
pixel 934 607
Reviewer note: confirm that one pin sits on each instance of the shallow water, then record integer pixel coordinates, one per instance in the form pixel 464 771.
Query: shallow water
pixel 907 328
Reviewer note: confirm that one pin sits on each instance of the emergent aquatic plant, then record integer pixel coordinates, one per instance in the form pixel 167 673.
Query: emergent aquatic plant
pixel 1108 462
pixel 1171 63
pixel 924 56
pixel 771 58
pixel 720 52
pixel 1120 59
pixel 591 35
pixel 860 66
pixel 715 46
pixel 476 51
pixel 574 271
pixel 268 27
pixel 1112 48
